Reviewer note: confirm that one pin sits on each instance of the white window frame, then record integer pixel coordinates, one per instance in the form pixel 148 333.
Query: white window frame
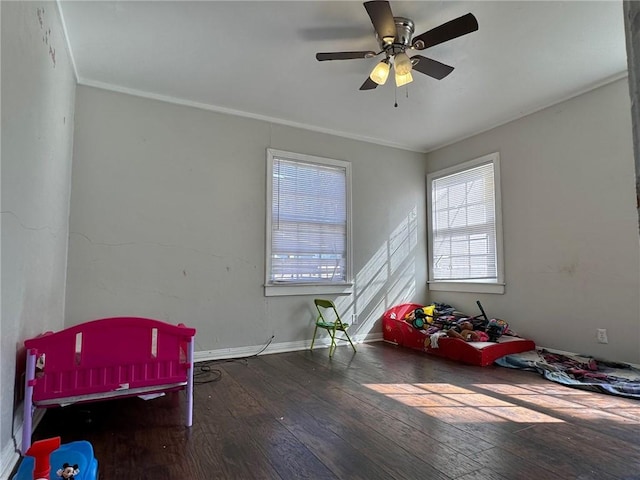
pixel 307 288
pixel 472 286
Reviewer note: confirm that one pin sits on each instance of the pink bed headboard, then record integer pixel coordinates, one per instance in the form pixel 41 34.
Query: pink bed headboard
pixel 110 354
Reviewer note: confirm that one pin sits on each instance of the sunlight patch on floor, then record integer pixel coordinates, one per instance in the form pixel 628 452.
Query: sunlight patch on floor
pixel 462 414
pixel 424 400
pixel 531 389
pixel 456 404
pixel 595 414
pixel 571 402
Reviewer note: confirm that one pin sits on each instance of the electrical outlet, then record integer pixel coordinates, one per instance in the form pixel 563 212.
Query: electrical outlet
pixel 601 335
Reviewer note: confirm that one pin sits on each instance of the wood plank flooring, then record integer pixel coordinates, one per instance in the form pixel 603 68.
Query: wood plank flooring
pixel 384 413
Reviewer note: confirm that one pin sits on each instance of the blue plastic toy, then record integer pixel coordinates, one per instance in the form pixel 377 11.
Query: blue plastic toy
pixel 71 461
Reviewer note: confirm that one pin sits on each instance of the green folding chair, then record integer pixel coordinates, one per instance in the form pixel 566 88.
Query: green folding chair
pixel 329 319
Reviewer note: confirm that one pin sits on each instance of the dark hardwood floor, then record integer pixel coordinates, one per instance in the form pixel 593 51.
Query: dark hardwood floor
pixel 383 413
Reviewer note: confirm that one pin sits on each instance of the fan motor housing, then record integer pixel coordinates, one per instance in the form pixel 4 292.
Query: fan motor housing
pixel 404 32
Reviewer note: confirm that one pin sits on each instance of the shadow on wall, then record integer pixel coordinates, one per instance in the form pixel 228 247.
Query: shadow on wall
pixel 387 279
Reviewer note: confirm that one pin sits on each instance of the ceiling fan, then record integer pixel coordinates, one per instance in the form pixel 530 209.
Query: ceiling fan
pixel 395 37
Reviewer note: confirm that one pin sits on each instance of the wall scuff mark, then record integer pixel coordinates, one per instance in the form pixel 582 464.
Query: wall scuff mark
pixel 47 35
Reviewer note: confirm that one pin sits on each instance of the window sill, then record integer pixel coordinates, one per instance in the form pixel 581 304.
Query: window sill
pixel 469 287
pixel 287 289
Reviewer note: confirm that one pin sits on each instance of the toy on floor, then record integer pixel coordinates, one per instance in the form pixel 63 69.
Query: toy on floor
pixel 72 461
pixel 68 472
pixel 420 317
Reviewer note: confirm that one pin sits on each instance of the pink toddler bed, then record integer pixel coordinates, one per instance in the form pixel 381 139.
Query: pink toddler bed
pixel 105 359
pixel 396 330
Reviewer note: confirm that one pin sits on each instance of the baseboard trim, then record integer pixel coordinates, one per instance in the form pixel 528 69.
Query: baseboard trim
pixel 9 456
pixel 280 347
pixel 8 460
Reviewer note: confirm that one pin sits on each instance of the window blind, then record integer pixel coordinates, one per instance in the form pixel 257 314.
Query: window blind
pixel 308 222
pixel 464 225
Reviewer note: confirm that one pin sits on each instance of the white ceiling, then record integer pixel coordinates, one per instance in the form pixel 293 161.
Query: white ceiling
pixel 258 59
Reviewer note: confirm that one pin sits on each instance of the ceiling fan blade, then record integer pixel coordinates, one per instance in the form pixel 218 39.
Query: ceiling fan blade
pixel 447 31
pixel 368 84
pixel 382 19
pixel 321 57
pixel 431 67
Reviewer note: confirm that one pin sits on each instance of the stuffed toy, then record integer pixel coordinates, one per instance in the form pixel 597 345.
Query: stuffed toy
pixel 464 331
pixel 496 328
pixel 416 318
pixel 68 472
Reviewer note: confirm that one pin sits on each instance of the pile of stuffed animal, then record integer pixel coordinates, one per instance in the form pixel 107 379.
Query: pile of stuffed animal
pixel 444 318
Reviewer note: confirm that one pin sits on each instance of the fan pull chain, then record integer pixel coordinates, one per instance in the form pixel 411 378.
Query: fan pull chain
pixel 395 95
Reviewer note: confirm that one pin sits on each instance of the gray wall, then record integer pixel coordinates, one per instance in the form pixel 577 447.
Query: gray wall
pixel 168 221
pixel 37 127
pixel 632 28
pixel 570 224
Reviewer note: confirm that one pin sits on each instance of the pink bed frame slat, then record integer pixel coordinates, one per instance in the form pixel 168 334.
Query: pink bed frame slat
pixel 114 354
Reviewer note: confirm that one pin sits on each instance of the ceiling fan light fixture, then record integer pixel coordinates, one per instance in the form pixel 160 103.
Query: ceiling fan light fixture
pixel 403 79
pixel 395 38
pixel 380 72
pixel 402 63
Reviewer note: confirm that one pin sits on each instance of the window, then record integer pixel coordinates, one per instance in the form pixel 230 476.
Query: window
pixel 308 225
pixel 465 227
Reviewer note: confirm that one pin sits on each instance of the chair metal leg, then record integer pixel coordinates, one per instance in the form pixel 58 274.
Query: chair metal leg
pixel 315 330
pixel 332 347
pixel 349 338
